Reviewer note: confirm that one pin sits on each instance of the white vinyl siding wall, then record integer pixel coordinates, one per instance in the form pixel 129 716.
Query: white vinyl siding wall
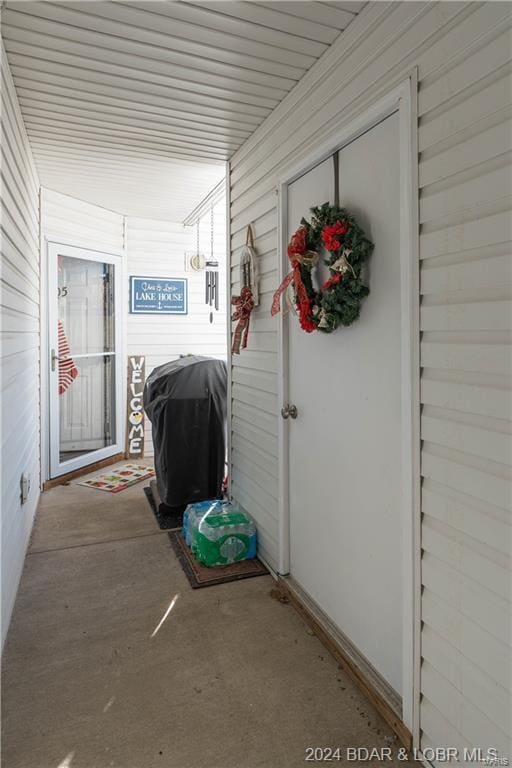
pixel 20 340
pixel 158 248
pixel 462 55
pixel 74 222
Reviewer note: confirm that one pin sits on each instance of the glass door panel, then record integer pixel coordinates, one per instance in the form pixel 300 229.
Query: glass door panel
pixel 84 376
pixel 87 408
pixel 85 296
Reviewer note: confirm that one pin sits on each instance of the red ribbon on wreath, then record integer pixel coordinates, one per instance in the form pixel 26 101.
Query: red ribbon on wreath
pixel 244 304
pixel 298 255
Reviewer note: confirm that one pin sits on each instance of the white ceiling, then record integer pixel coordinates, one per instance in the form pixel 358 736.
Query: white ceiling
pixel 136 106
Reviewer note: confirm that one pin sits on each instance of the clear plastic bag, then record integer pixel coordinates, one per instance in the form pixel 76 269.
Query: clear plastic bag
pixel 193 514
pixel 219 533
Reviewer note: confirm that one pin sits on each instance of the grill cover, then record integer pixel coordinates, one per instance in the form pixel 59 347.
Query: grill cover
pixel 186 403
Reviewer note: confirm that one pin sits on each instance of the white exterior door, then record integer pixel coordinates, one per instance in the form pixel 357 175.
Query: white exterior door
pixel 345 447
pixel 85 374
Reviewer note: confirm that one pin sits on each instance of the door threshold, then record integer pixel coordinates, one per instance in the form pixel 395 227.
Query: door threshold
pixel 63 479
pixel 383 697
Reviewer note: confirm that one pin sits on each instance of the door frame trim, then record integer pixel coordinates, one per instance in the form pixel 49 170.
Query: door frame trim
pixel 402 99
pixel 229 355
pixel 49 249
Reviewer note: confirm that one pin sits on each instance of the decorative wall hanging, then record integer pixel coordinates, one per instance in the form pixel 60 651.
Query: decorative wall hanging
pixel 338 301
pixel 249 274
pixel 249 293
pixel 158 295
pixel 134 406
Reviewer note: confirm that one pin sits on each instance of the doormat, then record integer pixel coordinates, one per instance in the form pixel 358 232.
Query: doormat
pixel 122 478
pixel 201 576
pixel 166 521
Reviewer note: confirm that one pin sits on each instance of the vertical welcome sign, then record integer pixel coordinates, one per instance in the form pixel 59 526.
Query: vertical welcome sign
pixel 135 407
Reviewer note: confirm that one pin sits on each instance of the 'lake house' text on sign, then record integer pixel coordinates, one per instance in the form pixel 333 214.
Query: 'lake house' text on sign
pixel 158 295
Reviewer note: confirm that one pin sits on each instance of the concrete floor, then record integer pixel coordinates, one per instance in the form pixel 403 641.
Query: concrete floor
pixel 92 678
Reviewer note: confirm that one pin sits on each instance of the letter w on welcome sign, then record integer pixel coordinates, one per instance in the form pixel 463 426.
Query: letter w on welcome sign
pixel 135 407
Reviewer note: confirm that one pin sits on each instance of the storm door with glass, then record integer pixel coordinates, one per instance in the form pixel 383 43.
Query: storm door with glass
pixel 84 359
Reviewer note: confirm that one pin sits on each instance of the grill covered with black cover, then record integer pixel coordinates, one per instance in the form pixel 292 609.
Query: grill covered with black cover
pixel 186 403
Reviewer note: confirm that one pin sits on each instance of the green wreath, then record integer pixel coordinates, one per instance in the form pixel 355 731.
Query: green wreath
pixel 338 302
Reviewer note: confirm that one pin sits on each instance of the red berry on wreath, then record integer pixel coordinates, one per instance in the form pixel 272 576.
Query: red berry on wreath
pixel 330 234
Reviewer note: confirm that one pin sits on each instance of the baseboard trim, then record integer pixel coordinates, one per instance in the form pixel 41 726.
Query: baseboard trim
pixel 82 471
pixel 376 689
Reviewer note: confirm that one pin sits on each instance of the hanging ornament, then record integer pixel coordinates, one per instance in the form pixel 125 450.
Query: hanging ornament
pixel 244 304
pixel 249 294
pixel 212 275
pixel 197 261
pixel 249 274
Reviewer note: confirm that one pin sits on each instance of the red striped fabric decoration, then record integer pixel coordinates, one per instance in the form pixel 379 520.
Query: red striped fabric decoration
pixel 67 368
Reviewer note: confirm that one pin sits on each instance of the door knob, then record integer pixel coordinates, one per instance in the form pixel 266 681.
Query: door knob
pixel 289 410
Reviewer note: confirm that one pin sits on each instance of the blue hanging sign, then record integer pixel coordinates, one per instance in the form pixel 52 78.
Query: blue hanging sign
pixel 158 295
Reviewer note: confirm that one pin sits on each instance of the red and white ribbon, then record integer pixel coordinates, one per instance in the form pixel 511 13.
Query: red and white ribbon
pixel 244 305
pixel 297 260
pixel 67 368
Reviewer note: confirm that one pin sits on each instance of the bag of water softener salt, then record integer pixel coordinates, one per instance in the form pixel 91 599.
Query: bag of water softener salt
pixel 223 536
pixel 194 512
